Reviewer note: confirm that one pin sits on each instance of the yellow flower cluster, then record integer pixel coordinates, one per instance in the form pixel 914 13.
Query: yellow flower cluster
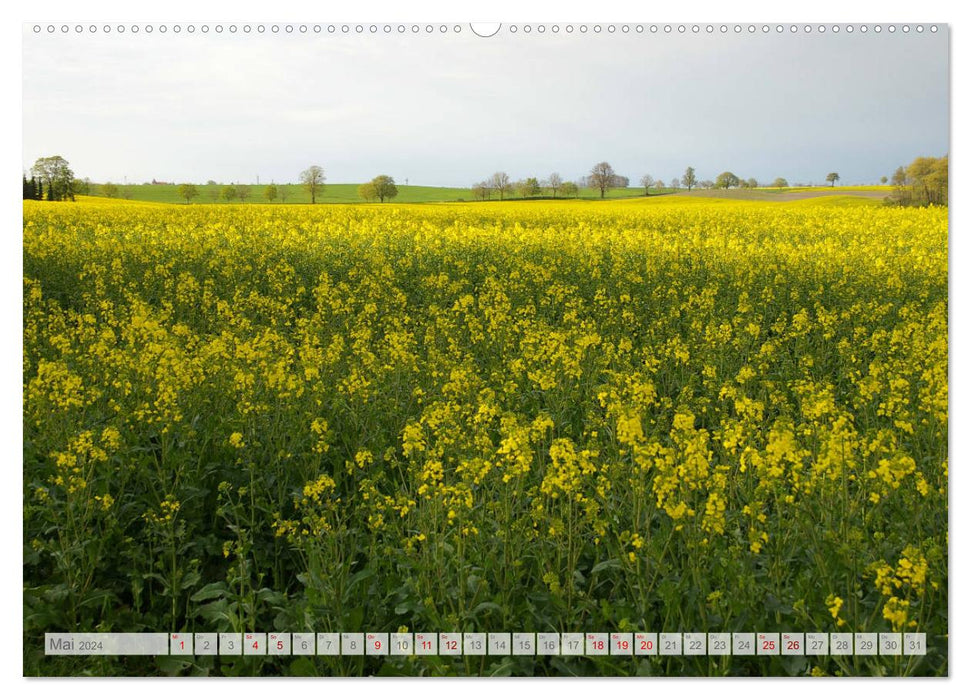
pixel 751 386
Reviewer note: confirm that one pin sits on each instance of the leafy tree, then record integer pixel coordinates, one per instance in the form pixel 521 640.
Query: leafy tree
pixel 367 191
pixel 883 179
pixel 284 192
pixel 752 183
pixel 127 192
pixel 831 178
pixel 228 192
pixel 726 180
pixel 109 189
pixel 569 189
pixel 924 182
pixel 659 185
pixel 689 178
pixel 313 179
pixel 780 182
pixel 706 184
pixel 481 191
pixel 500 183
pixel 56 174
pixel 270 192
pixel 554 182
pixel 81 186
pixel 899 178
pixel 188 191
pixel 529 187
pixel 28 188
pixel 242 192
pixel 647 182
pixel 602 177
pixel 384 187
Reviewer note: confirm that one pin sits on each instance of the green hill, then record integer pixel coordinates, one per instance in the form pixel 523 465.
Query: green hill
pixel 339 193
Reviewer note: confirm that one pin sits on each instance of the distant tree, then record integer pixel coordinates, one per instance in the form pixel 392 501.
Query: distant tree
pixel 726 180
pixel 228 192
pixel 899 178
pixel 554 182
pixel 676 183
pixel 242 192
pixel 213 192
pixel 481 191
pixel 210 183
pixel 367 191
pixel 270 193
pixel 28 188
pixel 659 184
pixel 528 187
pixel 883 179
pixel 706 184
pixel 56 175
pixel 188 192
pixel 647 182
pixel 780 182
pixel 500 183
pixel 602 177
pixel 109 189
pixel 384 187
pixel 752 183
pixel 832 178
pixel 127 192
pixel 81 186
pixel 689 178
pixel 313 179
pixel 284 192
pixel 569 189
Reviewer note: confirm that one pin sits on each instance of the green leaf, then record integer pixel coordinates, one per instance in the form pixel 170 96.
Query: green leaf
pixel 605 565
pixel 303 666
pixel 210 591
pixel 487 606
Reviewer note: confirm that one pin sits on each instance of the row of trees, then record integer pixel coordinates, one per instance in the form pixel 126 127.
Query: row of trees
pixel 603 178
pixel 501 185
pixel 923 182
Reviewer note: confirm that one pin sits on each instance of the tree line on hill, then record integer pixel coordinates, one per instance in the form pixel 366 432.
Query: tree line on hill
pixel 603 178
pixel 923 182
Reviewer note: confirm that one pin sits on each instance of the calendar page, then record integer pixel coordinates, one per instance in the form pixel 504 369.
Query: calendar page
pixel 454 348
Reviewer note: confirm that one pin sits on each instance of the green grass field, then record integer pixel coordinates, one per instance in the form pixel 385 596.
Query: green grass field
pixel 338 193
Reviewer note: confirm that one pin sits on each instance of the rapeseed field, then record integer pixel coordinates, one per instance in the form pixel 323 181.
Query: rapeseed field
pixel 673 415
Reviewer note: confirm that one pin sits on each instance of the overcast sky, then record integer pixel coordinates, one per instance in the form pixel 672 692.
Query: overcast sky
pixel 452 109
